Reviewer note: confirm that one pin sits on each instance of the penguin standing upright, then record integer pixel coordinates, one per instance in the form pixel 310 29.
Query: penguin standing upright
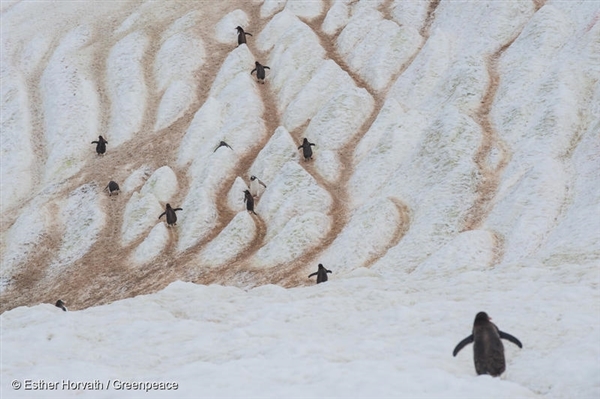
pixel 249 201
pixel 260 71
pixel 488 351
pixel 112 187
pixel 306 150
pixel 60 304
pixel 171 216
pixel 242 35
pixel 321 274
pixel 255 184
pixel 100 145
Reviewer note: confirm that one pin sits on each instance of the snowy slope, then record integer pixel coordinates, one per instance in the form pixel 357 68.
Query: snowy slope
pixel 455 170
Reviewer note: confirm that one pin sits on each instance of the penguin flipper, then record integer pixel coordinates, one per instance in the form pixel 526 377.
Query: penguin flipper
pixel 178 209
pixel 300 147
pixel 254 70
pixel 266 67
pixel 328 271
pixel 246 33
pixel 462 344
pixel 162 214
pixel 509 337
pixel 262 184
pixel 312 274
pixel 95 142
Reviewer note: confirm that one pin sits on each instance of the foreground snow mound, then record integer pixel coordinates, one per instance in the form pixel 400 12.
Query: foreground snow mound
pixel 396 343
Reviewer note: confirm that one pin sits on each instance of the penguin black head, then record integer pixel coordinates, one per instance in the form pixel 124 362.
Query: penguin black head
pixel 321 266
pixel 252 177
pixel 168 206
pixel 256 63
pixel 481 318
pixel 61 304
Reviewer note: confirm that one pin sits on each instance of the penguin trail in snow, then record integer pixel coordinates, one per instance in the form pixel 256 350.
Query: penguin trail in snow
pixel 260 71
pixel 306 149
pixel 60 304
pixel 242 35
pixel 171 216
pixel 321 274
pixel 100 145
pixel 255 184
pixel 249 201
pixel 112 187
pixel 488 351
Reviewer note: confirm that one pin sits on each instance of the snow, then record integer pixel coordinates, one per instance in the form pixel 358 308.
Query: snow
pixel 127 88
pixel 435 210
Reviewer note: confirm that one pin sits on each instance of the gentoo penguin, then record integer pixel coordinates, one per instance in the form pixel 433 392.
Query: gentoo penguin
pixel 306 150
pixel 260 71
pixel 222 144
pixel 488 351
pixel 242 35
pixel 321 274
pixel 255 184
pixel 249 201
pixel 171 216
pixel 61 304
pixel 112 187
pixel 100 145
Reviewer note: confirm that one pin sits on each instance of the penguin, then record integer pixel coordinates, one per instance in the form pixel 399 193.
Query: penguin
pixel 100 145
pixel 260 71
pixel 222 144
pixel 249 201
pixel 306 150
pixel 112 187
pixel 60 304
pixel 255 184
pixel 242 35
pixel 171 216
pixel 321 274
pixel 488 351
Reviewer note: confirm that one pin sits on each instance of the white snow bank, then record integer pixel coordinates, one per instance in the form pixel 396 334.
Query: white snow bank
pixel 152 245
pixel 293 192
pixel 136 179
pixel 270 7
pixel 337 17
pixel 235 197
pixel 126 87
pixel 225 29
pixel 17 157
pixel 327 80
pixel 300 235
pixel 230 242
pixel 305 9
pixel 279 150
pixel 83 219
pixel 367 235
pixel 296 54
pixel 70 103
pixel 198 218
pixel 141 213
pixel 180 56
pixel 376 64
pixel 200 138
pixel 391 140
pixel 162 183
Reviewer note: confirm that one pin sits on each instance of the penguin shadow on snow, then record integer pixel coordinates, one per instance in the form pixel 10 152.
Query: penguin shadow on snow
pixel 488 351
